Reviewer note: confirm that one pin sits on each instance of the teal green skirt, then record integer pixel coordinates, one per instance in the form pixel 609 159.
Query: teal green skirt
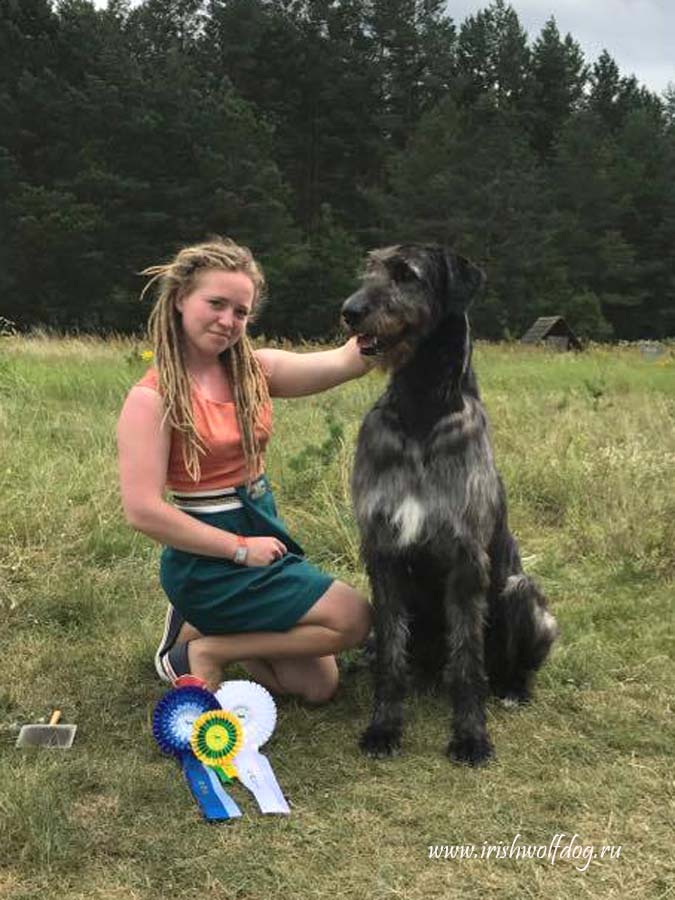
pixel 218 596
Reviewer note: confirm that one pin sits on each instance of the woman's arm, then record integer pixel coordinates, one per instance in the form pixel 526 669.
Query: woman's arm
pixel 143 453
pixel 298 374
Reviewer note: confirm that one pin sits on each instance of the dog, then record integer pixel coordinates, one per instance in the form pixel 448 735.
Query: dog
pixel 449 593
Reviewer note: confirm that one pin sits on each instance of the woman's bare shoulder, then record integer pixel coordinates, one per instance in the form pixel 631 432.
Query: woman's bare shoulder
pixel 143 405
pixel 267 357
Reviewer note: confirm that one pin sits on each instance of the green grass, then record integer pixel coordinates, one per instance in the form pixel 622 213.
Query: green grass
pixel 586 445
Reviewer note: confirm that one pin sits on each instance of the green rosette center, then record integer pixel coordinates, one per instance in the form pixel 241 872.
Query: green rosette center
pixel 217 737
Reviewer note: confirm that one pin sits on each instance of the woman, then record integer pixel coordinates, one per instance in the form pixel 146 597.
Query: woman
pixel 198 423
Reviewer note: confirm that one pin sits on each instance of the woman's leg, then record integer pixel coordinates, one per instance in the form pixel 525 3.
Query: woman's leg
pixel 313 679
pixel 338 620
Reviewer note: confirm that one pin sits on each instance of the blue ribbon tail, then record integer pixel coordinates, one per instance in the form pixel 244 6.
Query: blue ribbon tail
pixel 230 806
pixel 197 777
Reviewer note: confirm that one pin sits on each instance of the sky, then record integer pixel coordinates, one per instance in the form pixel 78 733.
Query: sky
pixel 639 34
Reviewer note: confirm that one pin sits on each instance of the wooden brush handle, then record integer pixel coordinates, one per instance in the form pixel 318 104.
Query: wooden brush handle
pixel 56 715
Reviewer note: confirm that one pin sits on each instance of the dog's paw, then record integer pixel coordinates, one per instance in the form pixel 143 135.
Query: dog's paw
pixel 472 751
pixel 380 743
pixel 514 699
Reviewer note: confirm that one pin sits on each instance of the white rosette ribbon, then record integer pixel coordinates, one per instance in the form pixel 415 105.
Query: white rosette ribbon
pixel 255 708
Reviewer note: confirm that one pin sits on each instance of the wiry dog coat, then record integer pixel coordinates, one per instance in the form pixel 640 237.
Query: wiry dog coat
pixel 448 588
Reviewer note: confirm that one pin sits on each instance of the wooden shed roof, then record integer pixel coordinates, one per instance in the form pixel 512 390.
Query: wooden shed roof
pixel 546 326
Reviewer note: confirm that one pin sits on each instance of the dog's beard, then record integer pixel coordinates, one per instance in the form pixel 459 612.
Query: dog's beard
pixel 368 344
pixel 388 342
pixel 385 351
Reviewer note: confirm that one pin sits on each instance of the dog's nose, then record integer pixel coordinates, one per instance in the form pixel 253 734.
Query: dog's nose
pixel 353 309
pixel 351 316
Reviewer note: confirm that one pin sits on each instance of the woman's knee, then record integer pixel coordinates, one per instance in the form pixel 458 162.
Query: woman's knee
pixel 359 630
pixel 317 693
pixel 314 680
pixel 344 610
pixel 358 616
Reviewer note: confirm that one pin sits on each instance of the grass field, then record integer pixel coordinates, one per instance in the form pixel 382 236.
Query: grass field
pixel 586 445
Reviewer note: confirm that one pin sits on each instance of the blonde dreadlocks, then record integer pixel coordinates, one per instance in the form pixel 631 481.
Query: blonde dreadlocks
pixel 248 382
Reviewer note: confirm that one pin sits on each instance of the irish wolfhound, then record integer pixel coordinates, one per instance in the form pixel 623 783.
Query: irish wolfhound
pixel 448 587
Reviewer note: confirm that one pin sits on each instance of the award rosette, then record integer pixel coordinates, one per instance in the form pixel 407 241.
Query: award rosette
pixel 172 726
pixel 254 708
pixel 216 738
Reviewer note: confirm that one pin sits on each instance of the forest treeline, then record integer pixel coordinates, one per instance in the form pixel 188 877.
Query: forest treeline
pixel 314 130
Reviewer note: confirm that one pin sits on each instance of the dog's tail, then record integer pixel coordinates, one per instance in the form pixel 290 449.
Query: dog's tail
pixel 519 635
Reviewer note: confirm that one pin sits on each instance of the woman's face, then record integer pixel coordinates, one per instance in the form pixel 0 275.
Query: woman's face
pixel 215 312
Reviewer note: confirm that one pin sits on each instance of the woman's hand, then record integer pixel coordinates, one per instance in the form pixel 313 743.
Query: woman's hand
pixel 356 362
pixel 262 551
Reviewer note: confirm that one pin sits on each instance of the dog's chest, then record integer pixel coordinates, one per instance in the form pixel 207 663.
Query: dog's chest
pixel 410 482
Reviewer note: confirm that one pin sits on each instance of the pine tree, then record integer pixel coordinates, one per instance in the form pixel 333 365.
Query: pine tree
pixel 558 76
pixel 643 178
pixel 493 57
pixel 413 46
pixel 613 97
pixel 164 154
pixel 307 68
pixel 468 179
pixel 600 260
pixel 309 284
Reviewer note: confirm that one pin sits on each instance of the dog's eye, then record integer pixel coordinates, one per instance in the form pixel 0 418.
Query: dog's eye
pixel 401 271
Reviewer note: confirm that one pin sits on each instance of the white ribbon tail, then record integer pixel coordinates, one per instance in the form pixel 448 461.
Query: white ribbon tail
pixel 255 773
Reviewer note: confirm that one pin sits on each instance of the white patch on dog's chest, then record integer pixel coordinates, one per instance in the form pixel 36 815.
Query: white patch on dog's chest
pixel 409 519
pixel 404 516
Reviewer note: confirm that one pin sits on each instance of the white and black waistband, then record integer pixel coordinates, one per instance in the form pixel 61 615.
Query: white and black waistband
pixel 220 500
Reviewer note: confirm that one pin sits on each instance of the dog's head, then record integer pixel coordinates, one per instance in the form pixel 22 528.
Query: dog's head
pixel 405 292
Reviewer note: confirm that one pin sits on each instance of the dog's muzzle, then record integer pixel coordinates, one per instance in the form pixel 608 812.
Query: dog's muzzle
pixel 354 312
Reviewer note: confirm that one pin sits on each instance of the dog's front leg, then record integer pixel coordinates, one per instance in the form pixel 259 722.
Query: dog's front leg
pixel 465 606
pixel 383 736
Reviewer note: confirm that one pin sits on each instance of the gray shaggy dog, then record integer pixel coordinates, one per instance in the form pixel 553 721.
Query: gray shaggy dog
pixel 450 597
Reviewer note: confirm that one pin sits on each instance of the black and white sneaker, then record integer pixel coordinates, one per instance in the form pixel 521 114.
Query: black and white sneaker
pixel 174 663
pixel 172 626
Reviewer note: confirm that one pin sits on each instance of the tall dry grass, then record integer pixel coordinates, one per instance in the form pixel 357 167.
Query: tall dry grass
pixel 586 446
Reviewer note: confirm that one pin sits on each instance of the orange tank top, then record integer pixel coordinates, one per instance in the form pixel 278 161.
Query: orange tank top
pixel 216 422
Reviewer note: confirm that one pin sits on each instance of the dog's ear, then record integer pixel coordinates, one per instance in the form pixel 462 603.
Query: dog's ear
pixel 463 280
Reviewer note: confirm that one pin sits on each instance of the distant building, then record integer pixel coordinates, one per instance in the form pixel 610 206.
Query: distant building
pixel 554 332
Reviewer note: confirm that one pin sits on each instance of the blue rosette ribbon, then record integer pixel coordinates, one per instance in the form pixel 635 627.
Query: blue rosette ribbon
pixel 172 724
